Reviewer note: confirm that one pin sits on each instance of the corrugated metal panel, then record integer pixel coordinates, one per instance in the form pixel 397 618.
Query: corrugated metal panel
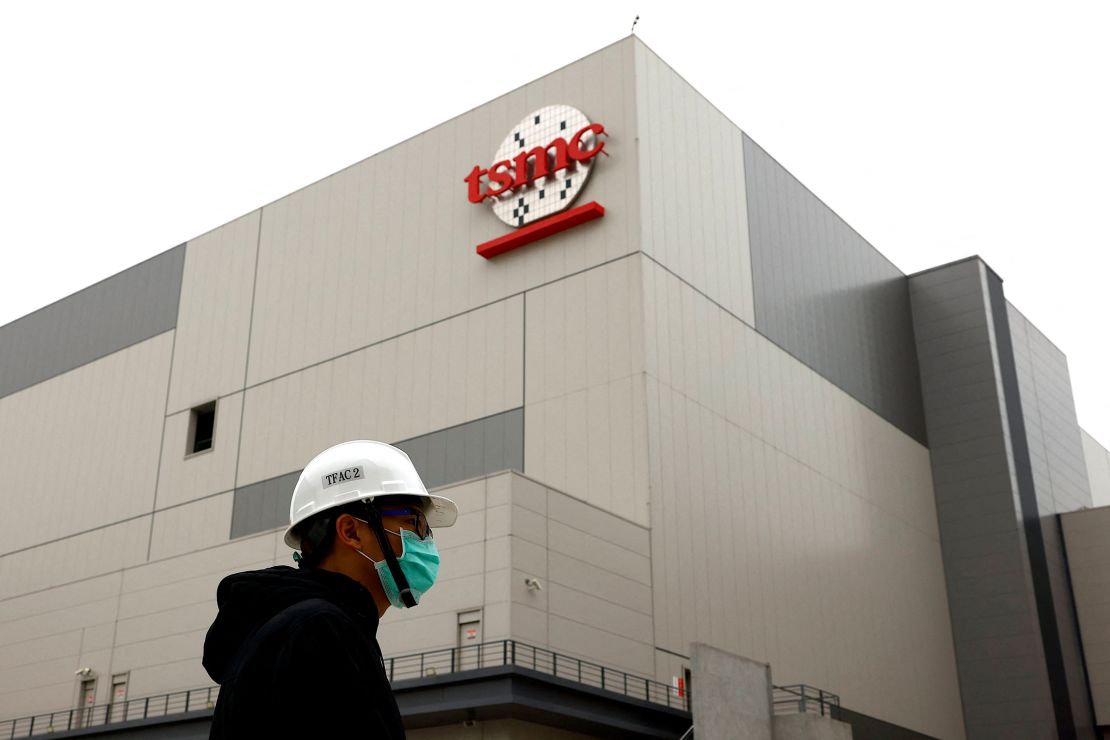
pixel 122 310
pixel 445 456
pixel 826 296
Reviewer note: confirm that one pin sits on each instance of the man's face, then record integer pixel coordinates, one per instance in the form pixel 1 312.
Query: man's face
pixel 397 516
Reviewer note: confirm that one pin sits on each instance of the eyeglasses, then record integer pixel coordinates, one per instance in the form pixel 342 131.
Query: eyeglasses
pixel 415 521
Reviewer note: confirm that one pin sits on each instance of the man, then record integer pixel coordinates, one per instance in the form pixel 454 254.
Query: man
pixel 295 650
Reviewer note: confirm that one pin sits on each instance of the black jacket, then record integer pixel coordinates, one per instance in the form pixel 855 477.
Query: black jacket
pixel 296 656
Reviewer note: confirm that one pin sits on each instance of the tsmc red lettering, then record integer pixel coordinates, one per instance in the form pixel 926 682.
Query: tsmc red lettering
pixel 499 173
pixel 534 164
pixel 577 153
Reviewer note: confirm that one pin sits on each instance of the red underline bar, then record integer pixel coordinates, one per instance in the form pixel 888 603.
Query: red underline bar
pixel 541 229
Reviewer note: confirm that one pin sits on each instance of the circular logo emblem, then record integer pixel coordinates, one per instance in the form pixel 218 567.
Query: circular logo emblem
pixel 558 188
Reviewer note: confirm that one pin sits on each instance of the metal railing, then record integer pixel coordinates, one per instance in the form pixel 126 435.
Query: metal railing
pixel 796 698
pixel 523 655
pixel 147 707
pixel 403 667
pixel 799 699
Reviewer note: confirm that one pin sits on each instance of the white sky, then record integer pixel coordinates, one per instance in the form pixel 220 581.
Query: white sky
pixel 937 130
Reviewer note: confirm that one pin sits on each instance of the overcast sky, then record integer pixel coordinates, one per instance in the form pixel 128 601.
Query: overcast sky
pixel 937 130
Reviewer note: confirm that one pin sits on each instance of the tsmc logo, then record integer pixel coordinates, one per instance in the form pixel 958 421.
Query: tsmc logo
pixel 537 172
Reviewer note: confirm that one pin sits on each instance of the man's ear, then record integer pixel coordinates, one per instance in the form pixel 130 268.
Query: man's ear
pixel 346 530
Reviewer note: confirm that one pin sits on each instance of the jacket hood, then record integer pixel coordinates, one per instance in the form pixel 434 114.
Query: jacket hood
pixel 248 600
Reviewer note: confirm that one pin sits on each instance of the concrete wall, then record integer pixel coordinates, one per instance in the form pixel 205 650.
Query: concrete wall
pixel 1088 552
pixel 777 497
pixel 1097 459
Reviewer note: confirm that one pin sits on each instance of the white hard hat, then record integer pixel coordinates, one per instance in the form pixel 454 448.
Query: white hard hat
pixel 358 471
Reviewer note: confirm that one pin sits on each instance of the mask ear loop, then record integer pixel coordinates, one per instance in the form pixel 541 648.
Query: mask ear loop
pixel 375 519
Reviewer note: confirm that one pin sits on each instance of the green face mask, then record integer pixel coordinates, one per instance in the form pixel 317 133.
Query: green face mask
pixel 419 562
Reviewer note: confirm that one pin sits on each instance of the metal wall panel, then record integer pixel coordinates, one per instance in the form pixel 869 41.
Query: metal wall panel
pixel 1097 459
pixel 117 312
pixel 262 505
pixel 583 388
pixel 595 570
pixel 776 496
pixel 468 450
pixel 445 456
pixel 462 368
pixel 1000 651
pixel 87 441
pixel 360 256
pixel 213 324
pixel 1060 485
pixel 1088 550
pixel 826 296
pixel 692 193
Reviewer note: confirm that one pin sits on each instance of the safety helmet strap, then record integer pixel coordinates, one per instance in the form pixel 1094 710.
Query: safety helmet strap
pixel 375 519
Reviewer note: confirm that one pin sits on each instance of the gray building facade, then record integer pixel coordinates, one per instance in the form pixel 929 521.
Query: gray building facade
pixel 716 415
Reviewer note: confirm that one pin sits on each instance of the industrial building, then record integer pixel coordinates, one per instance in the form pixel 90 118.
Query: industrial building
pixel 696 407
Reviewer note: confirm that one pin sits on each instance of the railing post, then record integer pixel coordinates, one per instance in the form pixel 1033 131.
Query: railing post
pixel 803 698
pixel 555 664
pixel 821 699
pixel 647 691
pixel 504 652
pixel 625 683
pixel 69 722
pixel 513 650
pixel 603 678
pixel 579 671
pixel 32 731
pixel 146 707
pixel 391 669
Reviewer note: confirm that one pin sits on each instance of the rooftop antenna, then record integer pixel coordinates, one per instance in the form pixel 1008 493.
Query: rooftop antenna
pixel 634 22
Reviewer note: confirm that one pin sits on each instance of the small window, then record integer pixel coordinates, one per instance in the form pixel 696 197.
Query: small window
pixel 202 427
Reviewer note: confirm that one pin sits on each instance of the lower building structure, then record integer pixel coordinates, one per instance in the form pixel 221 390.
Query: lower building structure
pixel 699 408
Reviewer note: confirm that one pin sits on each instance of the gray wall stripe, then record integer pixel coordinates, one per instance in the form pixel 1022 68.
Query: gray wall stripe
pixel 127 308
pixel 828 297
pixel 467 450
